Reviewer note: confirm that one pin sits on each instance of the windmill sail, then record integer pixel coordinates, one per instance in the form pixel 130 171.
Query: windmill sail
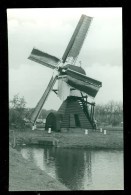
pixel 41 102
pixel 44 58
pixel 77 38
pixel 83 86
pixel 82 82
pixel 83 77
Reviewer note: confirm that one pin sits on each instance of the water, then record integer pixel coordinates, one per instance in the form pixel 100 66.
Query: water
pixel 80 169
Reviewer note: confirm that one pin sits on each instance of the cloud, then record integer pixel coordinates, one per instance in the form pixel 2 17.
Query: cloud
pixel 111 78
pixel 31 82
pixel 50 30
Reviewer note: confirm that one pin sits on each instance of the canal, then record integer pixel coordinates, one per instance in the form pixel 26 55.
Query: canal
pixel 80 169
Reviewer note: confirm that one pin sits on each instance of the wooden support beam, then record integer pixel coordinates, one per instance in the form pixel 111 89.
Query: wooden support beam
pixel 91 113
pixel 93 104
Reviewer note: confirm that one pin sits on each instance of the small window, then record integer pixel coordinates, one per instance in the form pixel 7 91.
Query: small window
pixel 77 120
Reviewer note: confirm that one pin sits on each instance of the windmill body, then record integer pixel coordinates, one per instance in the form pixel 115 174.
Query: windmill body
pixel 73 85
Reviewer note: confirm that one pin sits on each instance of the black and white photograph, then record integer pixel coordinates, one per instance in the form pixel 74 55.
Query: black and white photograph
pixel 65 68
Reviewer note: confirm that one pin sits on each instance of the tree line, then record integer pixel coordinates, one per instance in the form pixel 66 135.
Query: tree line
pixel 19 113
pixel 110 113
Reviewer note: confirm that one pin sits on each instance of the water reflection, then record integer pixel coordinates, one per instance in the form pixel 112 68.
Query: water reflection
pixel 69 167
pixel 80 169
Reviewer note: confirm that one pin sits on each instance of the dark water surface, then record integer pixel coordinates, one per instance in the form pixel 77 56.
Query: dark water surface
pixel 80 169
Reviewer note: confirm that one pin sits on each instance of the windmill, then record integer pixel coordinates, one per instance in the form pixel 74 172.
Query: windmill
pixel 73 85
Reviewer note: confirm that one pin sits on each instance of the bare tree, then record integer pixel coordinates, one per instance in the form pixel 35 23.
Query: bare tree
pixel 110 113
pixel 17 111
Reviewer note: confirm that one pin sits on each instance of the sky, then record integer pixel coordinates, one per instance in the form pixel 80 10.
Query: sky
pixel 50 29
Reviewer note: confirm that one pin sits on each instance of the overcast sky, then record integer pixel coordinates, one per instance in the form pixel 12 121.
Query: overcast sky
pixel 50 31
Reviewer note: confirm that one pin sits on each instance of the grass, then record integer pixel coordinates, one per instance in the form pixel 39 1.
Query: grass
pixel 94 140
pixel 112 140
pixel 110 128
pixel 25 176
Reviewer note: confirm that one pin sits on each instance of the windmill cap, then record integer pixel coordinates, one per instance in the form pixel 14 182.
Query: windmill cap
pixel 75 68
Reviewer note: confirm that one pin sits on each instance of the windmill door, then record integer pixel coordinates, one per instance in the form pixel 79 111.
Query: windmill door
pixel 72 120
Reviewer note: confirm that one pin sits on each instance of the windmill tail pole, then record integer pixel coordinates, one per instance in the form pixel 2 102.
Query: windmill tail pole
pixel 41 102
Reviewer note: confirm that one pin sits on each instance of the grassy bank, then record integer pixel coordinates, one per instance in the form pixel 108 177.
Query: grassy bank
pixel 112 140
pixel 25 176
pixel 94 140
